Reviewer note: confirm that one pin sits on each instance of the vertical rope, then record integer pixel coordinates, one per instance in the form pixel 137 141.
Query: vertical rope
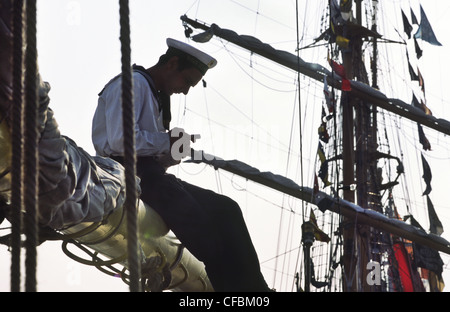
pixel 17 147
pixel 129 148
pixel 30 148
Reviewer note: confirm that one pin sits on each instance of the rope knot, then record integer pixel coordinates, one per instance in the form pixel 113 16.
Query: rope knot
pixel 156 275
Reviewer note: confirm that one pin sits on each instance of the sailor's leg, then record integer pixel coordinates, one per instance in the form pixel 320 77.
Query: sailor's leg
pixel 240 265
pixel 210 226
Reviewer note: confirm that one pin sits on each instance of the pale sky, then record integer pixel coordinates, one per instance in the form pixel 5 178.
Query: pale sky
pixel 245 112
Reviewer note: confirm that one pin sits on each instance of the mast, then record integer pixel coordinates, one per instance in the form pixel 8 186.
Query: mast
pixel 359 147
pixel 347 224
pixel 360 167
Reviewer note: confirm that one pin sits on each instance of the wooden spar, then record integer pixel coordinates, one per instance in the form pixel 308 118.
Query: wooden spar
pixel 317 72
pixel 327 202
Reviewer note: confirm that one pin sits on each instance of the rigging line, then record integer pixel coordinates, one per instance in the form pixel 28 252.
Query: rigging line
pixel 208 117
pixel 259 196
pixel 216 173
pixel 248 118
pixel 284 196
pixel 300 117
pixel 195 2
pixel 299 101
pixel 252 94
pixel 265 16
pixel 299 160
pixel 404 184
pixel 240 132
pixel 280 255
pixel 257 14
pixel 232 55
pixel 289 234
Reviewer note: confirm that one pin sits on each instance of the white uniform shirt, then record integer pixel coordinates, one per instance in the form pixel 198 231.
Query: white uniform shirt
pixel 107 130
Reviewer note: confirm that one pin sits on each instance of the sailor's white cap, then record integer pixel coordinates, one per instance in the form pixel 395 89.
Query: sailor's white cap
pixel 199 58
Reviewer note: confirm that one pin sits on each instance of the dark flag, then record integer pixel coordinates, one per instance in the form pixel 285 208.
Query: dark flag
pixel 412 73
pixel 406 25
pixel 435 224
pixel 425 108
pixel 426 176
pixel 414 18
pixel 419 51
pixel 426 257
pixel 423 139
pixel 415 102
pixel 316 185
pixel 421 105
pixel 345 6
pixel 425 32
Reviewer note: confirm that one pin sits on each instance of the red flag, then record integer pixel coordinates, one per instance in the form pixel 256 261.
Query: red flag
pixel 340 70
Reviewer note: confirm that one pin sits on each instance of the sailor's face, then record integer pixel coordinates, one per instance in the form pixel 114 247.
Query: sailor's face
pixel 180 81
pixel 183 80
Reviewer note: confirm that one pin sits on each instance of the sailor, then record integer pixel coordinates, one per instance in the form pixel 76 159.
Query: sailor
pixel 209 225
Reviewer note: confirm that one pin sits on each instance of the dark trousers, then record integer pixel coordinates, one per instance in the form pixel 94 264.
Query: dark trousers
pixel 209 225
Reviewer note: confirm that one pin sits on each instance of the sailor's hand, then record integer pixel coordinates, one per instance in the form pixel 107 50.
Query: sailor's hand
pixel 180 143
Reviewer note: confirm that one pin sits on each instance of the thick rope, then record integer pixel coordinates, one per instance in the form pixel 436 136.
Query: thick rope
pixel 129 149
pixel 17 147
pixel 31 146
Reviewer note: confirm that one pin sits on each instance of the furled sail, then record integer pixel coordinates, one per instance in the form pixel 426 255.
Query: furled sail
pixel 325 201
pixel 317 72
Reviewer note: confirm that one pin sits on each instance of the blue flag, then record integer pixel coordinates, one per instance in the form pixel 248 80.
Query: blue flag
pixel 425 32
